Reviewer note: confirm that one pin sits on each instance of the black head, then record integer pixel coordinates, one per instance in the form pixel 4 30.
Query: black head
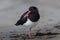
pixel 33 8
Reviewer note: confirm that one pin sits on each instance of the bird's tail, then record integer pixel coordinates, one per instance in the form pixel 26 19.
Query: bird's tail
pixel 17 23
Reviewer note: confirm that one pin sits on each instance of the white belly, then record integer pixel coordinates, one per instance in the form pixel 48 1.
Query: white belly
pixel 29 23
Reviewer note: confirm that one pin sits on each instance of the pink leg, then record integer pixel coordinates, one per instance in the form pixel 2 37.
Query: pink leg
pixel 30 33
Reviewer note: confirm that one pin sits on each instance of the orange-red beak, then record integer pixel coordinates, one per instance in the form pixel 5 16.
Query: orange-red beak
pixel 27 13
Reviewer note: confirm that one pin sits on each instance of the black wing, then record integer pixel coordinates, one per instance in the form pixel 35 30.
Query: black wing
pixel 22 20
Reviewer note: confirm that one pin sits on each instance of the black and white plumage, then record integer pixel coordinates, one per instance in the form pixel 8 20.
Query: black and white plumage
pixel 29 18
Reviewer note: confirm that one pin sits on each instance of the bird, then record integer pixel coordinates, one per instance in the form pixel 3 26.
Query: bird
pixel 29 18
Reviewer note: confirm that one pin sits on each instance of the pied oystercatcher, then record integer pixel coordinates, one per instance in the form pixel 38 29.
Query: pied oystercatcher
pixel 29 18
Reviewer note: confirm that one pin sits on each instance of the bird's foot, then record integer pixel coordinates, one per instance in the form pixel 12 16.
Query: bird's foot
pixel 30 36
